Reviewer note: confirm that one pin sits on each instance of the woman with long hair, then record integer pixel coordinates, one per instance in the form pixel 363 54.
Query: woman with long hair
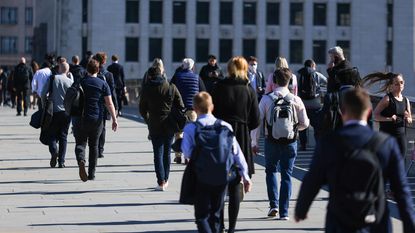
pixel 236 102
pixel 393 111
pixel 281 62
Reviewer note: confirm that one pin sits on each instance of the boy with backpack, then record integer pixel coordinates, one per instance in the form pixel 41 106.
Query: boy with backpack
pixel 355 162
pixel 210 145
pixel 309 82
pixel 284 115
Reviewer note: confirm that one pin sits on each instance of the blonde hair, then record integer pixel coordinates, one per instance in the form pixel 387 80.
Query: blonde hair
pixel 157 62
pixel 238 68
pixel 202 102
pixel 281 62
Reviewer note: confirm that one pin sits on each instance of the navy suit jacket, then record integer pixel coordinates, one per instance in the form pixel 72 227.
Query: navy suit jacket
pixel 323 171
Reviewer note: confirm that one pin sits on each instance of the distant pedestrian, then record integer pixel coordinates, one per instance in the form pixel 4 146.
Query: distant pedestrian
pixel 39 80
pixel 77 71
pixel 22 76
pixel 337 62
pixel 256 77
pixel 309 83
pixel 211 73
pixel 189 84
pixel 209 200
pixel 3 87
pixel 58 130
pixel 236 103
pixel 87 57
pixel 283 114
pixel 393 112
pixel 117 71
pixel 154 107
pixel 281 62
pixel 88 127
pixel 355 162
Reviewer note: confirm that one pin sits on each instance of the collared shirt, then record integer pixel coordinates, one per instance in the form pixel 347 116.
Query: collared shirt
pixel 252 79
pixel 355 122
pixel 188 142
pixel 39 79
pixel 265 105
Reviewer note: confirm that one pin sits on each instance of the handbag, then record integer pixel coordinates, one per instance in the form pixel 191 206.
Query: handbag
pixel 177 117
pixel 35 119
pixel 188 187
pixel 47 114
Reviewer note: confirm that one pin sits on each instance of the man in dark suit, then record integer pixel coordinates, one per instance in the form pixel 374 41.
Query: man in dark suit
pixel 117 71
pixel 356 134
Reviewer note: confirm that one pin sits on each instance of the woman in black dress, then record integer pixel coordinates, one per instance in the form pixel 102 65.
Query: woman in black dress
pixel 236 102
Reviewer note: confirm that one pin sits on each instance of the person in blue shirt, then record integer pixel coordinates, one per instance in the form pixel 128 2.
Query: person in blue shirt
pixel 209 200
pixel 88 128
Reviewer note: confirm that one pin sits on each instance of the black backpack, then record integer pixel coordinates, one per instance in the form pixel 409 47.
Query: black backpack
pixel 307 85
pixel 74 100
pixel 358 194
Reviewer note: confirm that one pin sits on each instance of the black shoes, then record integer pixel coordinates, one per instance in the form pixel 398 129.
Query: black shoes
pixel 100 156
pixel 19 114
pixel 53 161
pixel 62 165
pixel 178 160
pixel 82 171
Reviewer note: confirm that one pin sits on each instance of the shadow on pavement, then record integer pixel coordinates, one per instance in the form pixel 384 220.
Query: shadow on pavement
pixel 103 205
pixel 130 222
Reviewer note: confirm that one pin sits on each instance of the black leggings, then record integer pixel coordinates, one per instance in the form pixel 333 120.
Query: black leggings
pixel 235 189
pixel 401 138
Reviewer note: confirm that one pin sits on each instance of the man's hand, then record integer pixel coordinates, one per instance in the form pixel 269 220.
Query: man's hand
pixel 247 185
pixel 114 125
pixel 255 150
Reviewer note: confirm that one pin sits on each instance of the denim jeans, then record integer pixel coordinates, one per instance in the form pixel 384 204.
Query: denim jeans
pixel 58 133
pixel 87 131
pixel 284 155
pixel 161 148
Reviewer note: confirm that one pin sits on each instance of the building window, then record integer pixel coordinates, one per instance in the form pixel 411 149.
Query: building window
pixel 389 53
pixel 273 49
pixel 249 13
pixel 131 15
pixel 296 51
pixel 296 13
pixel 225 50
pixel 9 15
pixel 29 16
pixel 84 11
pixel 320 13
pixel 202 12
pixel 131 49
pixel 156 12
pixel 202 50
pixel 319 51
pixel 343 14
pixel 28 45
pixel 179 12
pixel 390 15
pixel 226 12
pixel 249 48
pixel 179 49
pixel 8 45
pixel 273 13
pixel 155 48
pixel 345 45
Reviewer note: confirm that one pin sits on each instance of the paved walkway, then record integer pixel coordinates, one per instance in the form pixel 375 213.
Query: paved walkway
pixel 36 198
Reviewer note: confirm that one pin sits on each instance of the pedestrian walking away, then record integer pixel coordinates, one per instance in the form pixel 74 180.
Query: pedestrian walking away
pixel 117 71
pixel 21 84
pixel 356 162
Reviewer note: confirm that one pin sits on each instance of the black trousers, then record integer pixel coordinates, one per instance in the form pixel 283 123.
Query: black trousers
pixel 119 92
pixel 87 131
pixel 58 134
pixel 209 202
pixel 235 189
pixel 22 96
pixel 101 142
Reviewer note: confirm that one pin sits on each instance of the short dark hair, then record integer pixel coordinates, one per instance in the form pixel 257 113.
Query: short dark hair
pixel 101 57
pixel 309 63
pixel 348 76
pixel 88 53
pixel 355 102
pixel 92 67
pixel 211 56
pixel 75 59
pixel 114 57
pixel 282 76
pixel 252 58
pixel 154 71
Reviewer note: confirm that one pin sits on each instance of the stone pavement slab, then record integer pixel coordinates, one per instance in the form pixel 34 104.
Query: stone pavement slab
pixel 37 198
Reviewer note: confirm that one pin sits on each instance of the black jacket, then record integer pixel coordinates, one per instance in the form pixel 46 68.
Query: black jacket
pixel 107 76
pixel 117 71
pixel 154 105
pixel 210 81
pixel 22 76
pixel 332 83
pixel 78 72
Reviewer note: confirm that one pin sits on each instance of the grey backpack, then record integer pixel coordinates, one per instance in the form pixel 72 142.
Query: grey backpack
pixel 282 119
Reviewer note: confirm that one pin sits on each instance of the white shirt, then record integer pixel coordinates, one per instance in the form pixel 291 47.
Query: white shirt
pixel 39 79
pixel 265 105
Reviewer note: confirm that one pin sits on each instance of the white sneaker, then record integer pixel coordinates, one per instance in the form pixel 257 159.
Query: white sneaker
pixel 159 188
pixel 285 218
pixel 273 212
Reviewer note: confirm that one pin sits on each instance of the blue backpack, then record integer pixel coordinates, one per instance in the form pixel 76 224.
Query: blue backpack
pixel 213 154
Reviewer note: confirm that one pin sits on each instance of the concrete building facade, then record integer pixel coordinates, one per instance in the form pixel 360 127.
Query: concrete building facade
pixel 16 30
pixel 377 35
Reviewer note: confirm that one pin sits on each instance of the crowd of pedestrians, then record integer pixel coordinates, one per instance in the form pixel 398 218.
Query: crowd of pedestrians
pixel 218 117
